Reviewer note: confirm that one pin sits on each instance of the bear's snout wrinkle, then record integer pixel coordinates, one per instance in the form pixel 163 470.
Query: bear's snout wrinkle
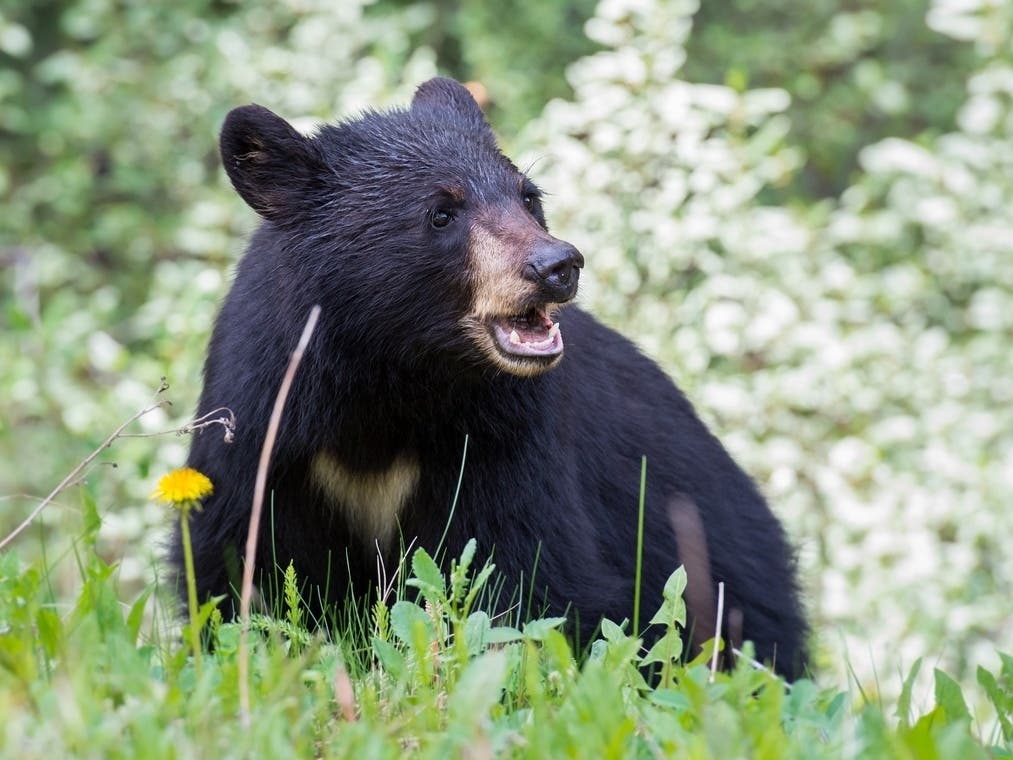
pixel 554 266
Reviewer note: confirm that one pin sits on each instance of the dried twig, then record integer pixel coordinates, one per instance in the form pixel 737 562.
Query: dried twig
pixel 227 420
pixel 74 474
pixel 717 636
pixel 387 586
pixel 757 665
pixel 258 505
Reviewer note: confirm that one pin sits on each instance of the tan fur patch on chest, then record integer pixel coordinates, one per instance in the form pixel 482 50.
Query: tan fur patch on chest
pixel 371 502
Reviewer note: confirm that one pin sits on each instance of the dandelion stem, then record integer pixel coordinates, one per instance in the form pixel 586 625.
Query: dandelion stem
pixel 191 588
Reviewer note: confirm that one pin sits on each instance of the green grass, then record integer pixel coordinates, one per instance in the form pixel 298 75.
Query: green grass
pixel 94 676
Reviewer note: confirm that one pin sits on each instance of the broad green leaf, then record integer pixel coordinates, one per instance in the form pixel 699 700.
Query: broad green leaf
pixel 428 577
pixel 667 649
pixel 50 630
pixel 405 617
pixel 676 584
pixel 92 518
pixel 671 698
pixel 610 631
pixel 503 634
pixel 538 629
pixel 478 688
pixel 950 698
pixel 1001 699
pixel 227 639
pixel 390 658
pixel 135 617
pixel 673 608
pixel 476 631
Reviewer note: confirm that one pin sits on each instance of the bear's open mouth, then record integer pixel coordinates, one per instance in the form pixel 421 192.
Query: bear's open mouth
pixel 531 334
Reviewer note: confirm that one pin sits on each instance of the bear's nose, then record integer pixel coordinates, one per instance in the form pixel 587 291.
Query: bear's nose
pixel 555 266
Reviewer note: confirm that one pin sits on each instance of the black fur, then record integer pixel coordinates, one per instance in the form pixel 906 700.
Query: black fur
pixel 553 462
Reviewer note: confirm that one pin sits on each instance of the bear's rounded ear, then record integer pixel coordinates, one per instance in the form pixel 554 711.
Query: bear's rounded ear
pixel 271 165
pixel 441 93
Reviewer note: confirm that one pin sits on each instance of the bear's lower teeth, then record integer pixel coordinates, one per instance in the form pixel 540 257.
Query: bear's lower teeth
pixel 537 341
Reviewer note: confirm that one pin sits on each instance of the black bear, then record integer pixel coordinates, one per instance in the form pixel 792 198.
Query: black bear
pixel 442 296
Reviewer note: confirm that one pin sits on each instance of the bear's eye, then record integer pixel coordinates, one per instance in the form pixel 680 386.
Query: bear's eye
pixel 530 201
pixel 441 217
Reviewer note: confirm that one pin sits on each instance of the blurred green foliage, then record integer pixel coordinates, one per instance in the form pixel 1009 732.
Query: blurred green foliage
pixel 851 343
pixel 857 72
pixel 519 50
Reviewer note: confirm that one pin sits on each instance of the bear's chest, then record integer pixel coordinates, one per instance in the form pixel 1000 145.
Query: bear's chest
pixel 369 502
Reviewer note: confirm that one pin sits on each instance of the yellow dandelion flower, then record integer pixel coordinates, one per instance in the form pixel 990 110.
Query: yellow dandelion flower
pixel 183 487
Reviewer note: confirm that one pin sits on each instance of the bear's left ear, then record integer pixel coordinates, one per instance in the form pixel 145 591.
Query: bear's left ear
pixel 273 167
pixel 441 93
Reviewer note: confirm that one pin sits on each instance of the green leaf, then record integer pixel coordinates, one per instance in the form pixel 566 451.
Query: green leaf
pixel 468 555
pixel 1007 668
pixel 610 631
pixel 405 617
pixel 625 651
pixel 50 630
pixel 478 583
pixel 671 698
pixel 539 629
pixel 503 634
pixel 476 631
pixel 390 658
pixel 203 615
pixel 950 698
pixel 673 608
pixel 135 617
pixel 672 612
pixel 478 688
pixel 667 649
pixel 903 711
pixel 227 639
pixel 676 584
pixel 92 518
pixel 1001 699
pixel 428 577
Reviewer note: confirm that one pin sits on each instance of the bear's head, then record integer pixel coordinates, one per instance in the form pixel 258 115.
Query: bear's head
pixel 421 239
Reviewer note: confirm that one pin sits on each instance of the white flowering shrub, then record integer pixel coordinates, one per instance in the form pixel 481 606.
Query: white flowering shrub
pixel 855 356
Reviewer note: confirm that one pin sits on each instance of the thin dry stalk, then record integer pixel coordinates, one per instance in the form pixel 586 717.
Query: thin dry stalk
pixel 757 665
pixel 83 465
pixel 258 505
pixel 721 613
